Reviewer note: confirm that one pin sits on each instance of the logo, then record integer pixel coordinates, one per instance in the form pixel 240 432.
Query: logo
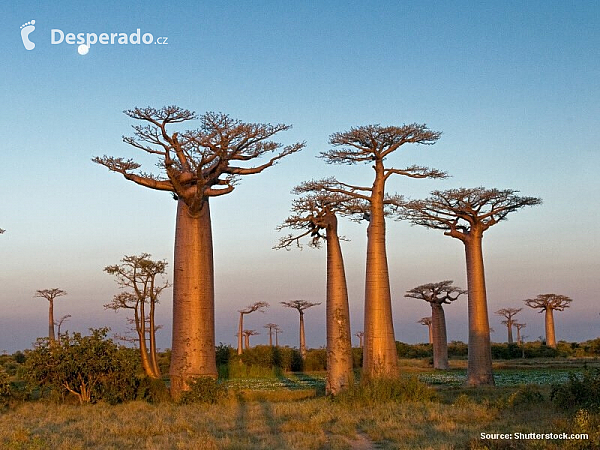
pixel 26 30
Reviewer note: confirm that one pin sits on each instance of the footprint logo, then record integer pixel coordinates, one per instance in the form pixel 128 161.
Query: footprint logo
pixel 26 30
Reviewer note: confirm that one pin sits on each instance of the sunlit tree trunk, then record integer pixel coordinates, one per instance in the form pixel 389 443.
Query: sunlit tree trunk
pixel 550 336
pixel 193 352
pixel 510 333
pixel 380 359
pixel 479 367
pixel 339 343
pixel 302 336
pixel 439 338
pixel 152 339
pixel 240 333
pixel 51 320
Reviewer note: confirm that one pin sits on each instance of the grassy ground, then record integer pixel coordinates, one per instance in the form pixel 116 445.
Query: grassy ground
pixel 293 415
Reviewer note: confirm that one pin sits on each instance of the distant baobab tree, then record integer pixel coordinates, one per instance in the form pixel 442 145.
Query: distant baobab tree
pixel 314 216
pixel 549 303
pixel 271 327
pixel 139 279
pixel 508 314
pixel 437 294
pixel 300 306
pixel 360 335
pixel 258 306
pixel 50 295
pixel 519 326
pixel 371 145
pixel 195 166
pixel 247 334
pixel 277 331
pixel 465 214
pixel 59 325
pixel 428 323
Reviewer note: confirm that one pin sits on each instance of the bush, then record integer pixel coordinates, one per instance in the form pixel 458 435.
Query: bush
pixel 581 391
pixel 203 390
pixel 529 394
pixel 316 360
pixel 378 391
pixel 90 367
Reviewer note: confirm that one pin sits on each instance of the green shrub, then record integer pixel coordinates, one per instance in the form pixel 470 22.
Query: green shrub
pixel 152 390
pixel 204 390
pixel 372 392
pixel 316 360
pixel 529 394
pixel 581 391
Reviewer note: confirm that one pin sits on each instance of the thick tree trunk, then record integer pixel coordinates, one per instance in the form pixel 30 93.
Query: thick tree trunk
pixel 152 338
pixel 430 330
pixel 479 366
pixel 51 320
pixel 440 340
pixel 302 337
pixel 550 336
pixel 510 335
pixel 270 337
pixel 141 332
pixel 380 359
pixel 193 345
pixel 339 343
pixel 240 329
pixel 247 341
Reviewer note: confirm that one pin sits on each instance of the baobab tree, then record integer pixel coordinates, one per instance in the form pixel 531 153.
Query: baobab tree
pixel 301 306
pixel 549 303
pixel 437 294
pixel 271 327
pixel 277 331
pixel 258 306
pixel 519 326
pixel 140 279
pixel 372 144
pixel 465 214
pixel 360 335
pixel 196 166
pixel 247 334
pixel 509 314
pixel 428 323
pixel 314 216
pixel 59 325
pixel 50 295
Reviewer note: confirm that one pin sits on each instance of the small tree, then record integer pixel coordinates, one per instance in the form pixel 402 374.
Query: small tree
pixel 271 327
pixel 301 306
pixel 360 335
pixel 428 323
pixel 549 303
pixel 437 294
pixel 519 327
pixel 465 214
pixel 258 306
pixel 509 314
pixel 59 324
pixel 50 295
pixel 277 331
pixel 247 334
pixel 140 276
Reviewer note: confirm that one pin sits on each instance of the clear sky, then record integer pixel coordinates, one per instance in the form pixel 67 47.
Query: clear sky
pixel 514 87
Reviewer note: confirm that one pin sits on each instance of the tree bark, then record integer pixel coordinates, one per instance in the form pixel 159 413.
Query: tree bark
pixel 510 334
pixel 440 340
pixel 240 330
pixel 380 359
pixel 51 320
pixel 302 337
pixel 152 339
pixel 479 366
pixel 339 343
pixel 193 349
pixel 430 329
pixel 550 336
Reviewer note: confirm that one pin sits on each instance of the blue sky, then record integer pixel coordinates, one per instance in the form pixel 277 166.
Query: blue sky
pixel 513 87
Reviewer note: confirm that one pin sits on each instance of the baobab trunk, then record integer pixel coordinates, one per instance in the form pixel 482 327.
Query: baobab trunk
pixel 302 337
pixel 339 342
pixel 430 329
pixel 510 335
pixel 51 320
pixel 240 333
pixel 193 352
pixel 380 359
pixel 479 366
pixel 153 361
pixel 550 336
pixel 440 340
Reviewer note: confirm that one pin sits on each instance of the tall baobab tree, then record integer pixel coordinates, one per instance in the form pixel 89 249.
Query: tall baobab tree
pixel 519 326
pixel 549 303
pixel 465 214
pixel 258 306
pixel 301 306
pixel 428 323
pixel 50 295
pixel 437 294
pixel 59 325
pixel 247 334
pixel 372 144
pixel 196 166
pixel 314 216
pixel 509 314
pixel 271 327
pixel 277 331
pixel 360 335
pixel 140 279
